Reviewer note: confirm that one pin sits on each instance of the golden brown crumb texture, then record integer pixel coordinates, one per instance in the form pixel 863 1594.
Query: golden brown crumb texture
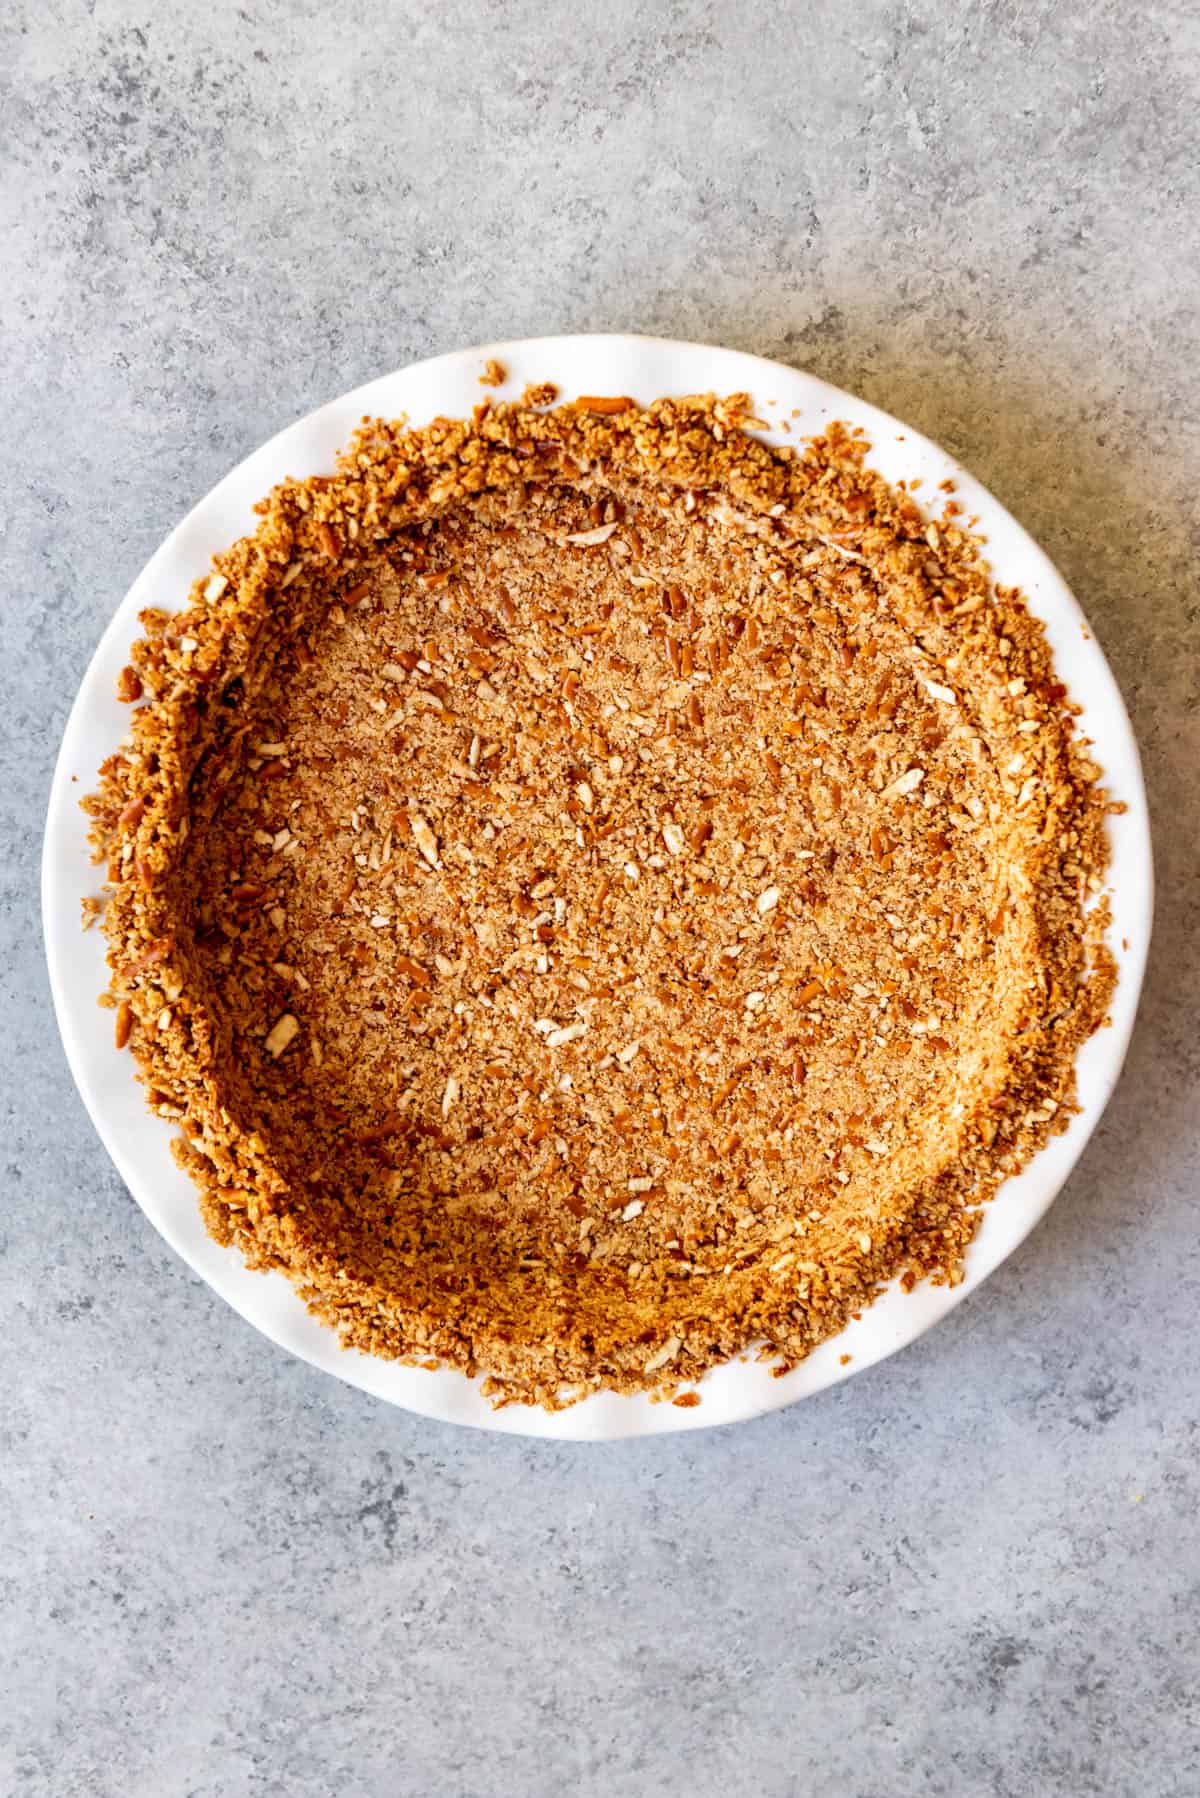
pixel 598 894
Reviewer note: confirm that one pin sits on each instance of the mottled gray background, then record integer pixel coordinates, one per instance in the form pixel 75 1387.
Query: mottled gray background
pixel 974 1571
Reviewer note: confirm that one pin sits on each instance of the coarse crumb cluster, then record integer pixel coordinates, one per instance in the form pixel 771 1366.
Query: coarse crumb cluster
pixel 598 893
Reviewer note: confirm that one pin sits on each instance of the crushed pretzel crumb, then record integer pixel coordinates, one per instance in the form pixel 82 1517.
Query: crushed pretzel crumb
pixel 639 893
pixel 539 393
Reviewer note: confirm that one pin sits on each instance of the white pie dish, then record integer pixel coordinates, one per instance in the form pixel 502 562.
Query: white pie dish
pixel 646 368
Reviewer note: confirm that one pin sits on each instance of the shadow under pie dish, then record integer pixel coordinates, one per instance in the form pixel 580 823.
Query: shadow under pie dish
pixel 599 893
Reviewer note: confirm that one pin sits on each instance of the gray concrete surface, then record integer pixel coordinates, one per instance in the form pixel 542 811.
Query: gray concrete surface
pixel 975 1571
